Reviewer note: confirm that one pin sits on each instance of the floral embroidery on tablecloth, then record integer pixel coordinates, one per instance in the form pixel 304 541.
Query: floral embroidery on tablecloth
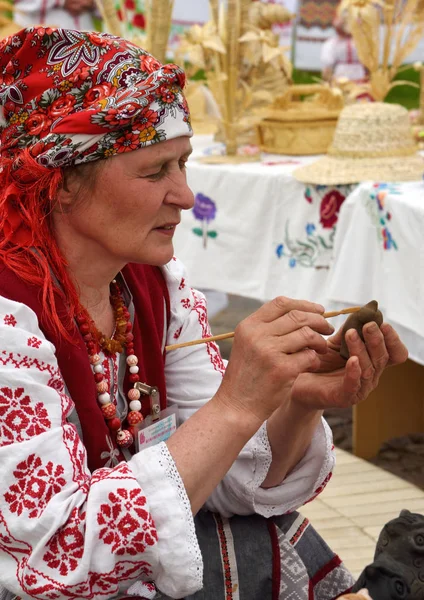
pixel 380 216
pixel 204 210
pixel 314 248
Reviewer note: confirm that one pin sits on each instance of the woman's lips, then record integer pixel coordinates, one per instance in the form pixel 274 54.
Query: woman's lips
pixel 168 229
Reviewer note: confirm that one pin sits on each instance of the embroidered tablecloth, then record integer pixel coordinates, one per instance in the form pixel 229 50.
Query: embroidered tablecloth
pixel 379 253
pixel 256 231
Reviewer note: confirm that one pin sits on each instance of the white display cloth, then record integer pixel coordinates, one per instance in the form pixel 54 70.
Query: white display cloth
pixel 270 235
pixel 379 253
pixel 256 231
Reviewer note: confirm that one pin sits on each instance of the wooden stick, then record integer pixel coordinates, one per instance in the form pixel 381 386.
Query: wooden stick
pixel 226 336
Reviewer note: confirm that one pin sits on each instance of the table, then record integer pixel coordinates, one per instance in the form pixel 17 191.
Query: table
pixel 379 253
pixel 255 231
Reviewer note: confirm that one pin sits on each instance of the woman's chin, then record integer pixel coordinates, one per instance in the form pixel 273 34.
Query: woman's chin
pixel 158 258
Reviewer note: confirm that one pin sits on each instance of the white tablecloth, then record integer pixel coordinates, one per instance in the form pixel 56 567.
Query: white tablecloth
pixel 257 232
pixel 379 253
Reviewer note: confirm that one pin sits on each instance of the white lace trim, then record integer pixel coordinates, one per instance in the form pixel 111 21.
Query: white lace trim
pixel 180 564
pixel 196 563
pixel 321 445
pixel 327 464
pixel 330 458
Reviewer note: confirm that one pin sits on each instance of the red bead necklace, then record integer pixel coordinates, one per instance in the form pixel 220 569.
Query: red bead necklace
pixel 121 339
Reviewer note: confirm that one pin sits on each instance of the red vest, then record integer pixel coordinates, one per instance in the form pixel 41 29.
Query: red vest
pixel 150 295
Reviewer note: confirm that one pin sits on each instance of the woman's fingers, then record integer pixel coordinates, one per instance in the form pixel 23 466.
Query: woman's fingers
pixel 352 382
pixel 358 348
pixel 297 319
pixel 398 352
pixel 376 346
pixel 300 339
pixel 281 305
pixel 301 362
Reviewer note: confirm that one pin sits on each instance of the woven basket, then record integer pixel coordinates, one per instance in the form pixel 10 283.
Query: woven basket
pixel 298 138
pixel 293 125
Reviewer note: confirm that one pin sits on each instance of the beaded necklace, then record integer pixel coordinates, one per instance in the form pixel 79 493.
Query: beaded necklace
pixel 121 339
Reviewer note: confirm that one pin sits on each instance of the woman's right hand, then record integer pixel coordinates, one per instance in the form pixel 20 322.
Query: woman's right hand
pixel 271 348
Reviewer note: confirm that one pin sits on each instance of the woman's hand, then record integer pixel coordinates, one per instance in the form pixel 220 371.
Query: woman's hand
pixel 272 347
pixel 340 383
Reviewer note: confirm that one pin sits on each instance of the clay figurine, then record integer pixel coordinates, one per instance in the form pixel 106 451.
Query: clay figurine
pixel 397 572
pixel 361 595
pixel 357 320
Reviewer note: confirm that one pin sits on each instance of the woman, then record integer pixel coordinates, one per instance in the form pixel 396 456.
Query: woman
pixel 339 56
pixel 90 295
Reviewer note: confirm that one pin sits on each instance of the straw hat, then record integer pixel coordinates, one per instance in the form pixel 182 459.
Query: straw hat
pixel 372 142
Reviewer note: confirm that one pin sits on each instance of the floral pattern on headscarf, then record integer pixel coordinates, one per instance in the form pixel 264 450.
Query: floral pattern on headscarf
pixel 72 97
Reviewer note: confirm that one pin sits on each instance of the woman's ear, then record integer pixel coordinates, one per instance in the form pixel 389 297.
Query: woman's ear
pixel 68 192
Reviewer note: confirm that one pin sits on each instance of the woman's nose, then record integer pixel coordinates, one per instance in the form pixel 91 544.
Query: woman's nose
pixel 182 195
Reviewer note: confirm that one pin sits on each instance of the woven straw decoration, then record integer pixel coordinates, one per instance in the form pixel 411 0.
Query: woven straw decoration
pixel 403 27
pixel 372 142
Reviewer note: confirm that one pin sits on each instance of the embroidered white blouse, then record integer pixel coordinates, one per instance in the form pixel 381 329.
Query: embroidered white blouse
pixel 125 529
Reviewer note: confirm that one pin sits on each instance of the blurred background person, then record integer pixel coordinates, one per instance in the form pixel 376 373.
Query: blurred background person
pixel 339 57
pixel 71 14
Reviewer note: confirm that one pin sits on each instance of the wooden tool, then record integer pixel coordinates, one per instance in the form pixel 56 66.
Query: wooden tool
pixel 226 336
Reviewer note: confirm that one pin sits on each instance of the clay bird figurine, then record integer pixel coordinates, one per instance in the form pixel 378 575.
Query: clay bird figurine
pixel 361 595
pixel 357 320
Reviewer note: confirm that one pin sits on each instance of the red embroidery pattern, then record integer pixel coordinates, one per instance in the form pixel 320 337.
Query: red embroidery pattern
pixel 124 524
pixel 66 547
pixel 36 485
pixel 224 557
pixel 67 406
pixel 178 333
pixel 10 320
pixel 36 584
pixel 57 384
pixel 320 488
pixel 299 532
pixel 185 302
pixel 182 284
pixel 20 419
pixel 77 456
pixel 121 471
pixel 34 342
pixel 212 349
pixel 24 362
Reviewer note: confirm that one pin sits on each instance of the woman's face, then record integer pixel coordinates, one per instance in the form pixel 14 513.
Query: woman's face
pixel 135 205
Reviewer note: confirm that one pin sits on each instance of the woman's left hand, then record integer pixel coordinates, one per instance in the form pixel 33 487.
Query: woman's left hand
pixel 340 383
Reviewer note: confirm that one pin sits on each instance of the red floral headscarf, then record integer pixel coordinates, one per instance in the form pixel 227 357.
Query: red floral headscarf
pixel 72 97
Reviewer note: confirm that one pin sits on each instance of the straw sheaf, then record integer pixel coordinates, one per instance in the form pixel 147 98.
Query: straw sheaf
pixel 372 142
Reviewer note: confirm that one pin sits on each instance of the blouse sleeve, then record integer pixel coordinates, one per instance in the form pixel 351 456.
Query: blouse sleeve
pixel 64 532
pixel 193 375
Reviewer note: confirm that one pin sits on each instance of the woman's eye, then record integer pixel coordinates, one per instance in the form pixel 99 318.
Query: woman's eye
pixel 156 176
pixel 183 165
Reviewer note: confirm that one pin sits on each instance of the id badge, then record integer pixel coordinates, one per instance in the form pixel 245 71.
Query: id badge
pixel 160 424
pixel 153 431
